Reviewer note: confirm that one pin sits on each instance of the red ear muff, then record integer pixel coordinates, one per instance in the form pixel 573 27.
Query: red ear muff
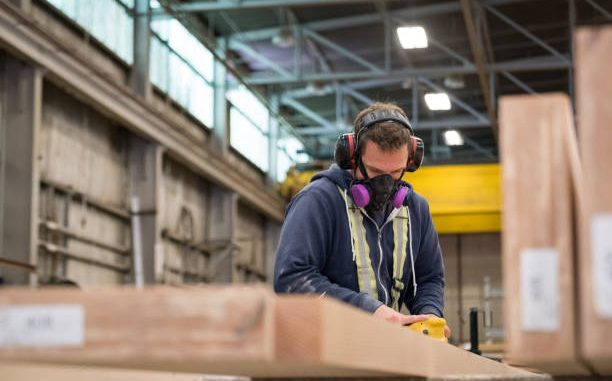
pixel 351 141
pixel 415 158
pixel 345 151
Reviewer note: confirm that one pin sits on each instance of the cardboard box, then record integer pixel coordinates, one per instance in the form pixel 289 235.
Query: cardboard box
pixel 538 234
pixel 594 111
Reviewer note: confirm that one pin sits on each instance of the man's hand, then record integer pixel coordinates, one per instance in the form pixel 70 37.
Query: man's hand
pixel 392 316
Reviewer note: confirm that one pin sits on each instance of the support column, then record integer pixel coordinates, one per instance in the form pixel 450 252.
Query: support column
pixel 20 115
pixel 271 236
pixel 414 118
pixel 273 132
pixel 220 141
pixel 221 225
pixel 145 164
pixel 142 40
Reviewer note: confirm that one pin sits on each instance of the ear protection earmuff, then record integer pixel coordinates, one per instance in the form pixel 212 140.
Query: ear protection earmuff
pixel 347 145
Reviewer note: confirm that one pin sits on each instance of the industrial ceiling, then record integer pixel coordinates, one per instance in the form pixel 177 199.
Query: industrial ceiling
pixel 323 60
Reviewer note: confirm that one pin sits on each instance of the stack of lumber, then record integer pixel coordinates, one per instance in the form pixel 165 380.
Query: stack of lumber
pixel 223 330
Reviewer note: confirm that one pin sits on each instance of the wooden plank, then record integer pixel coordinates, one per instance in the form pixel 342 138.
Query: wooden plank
pixel 539 315
pixel 320 332
pixel 593 94
pixel 46 372
pixel 189 329
pixel 244 331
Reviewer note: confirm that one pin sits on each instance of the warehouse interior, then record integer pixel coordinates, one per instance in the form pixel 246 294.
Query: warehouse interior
pixel 158 142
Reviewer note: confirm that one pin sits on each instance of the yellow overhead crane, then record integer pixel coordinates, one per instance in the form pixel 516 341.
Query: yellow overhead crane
pixel 462 198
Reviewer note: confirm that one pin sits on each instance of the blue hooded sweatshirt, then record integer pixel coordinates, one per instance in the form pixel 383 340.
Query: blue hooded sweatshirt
pixel 314 254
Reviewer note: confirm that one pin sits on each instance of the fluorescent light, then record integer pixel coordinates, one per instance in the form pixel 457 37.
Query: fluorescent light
pixel 453 138
pixel 412 37
pixel 437 101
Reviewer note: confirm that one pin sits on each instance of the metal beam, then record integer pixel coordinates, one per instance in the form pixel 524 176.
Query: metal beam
pixel 298 48
pixel 459 122
pixel 526 33
pixel 522 85
pixel 450 52
pixel 224 5
pixel 308 112
pixel 140 69
pixel 479 61
pixel 531 64
pixel 273 133
pixel 357 95
pixel 220 135
pixel 486 152
pixel 415 102
pixel 237 45
pixel 338 104
pixel 367 19
pixel 601 9
pixel 370 84
pixel 318 55
pixel 341 50
pixel 307 93
pixel 381 6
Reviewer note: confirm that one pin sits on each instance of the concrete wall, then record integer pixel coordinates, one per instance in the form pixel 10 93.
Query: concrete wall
pixel 183 227
pixel 82 161
pixel 250 257
pixel 85 158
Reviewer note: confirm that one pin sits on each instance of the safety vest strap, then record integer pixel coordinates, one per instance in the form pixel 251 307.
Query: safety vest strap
pixel 361 251
pixel 400 232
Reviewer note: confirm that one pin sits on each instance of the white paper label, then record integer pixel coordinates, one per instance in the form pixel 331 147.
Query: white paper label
pixel 539 277
pixel 601 248
pixel 42 325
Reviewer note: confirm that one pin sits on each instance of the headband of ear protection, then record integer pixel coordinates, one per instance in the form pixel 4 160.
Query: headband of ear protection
pixel 347 145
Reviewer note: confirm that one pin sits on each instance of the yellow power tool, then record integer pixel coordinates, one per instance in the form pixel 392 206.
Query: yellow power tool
pixel 432 327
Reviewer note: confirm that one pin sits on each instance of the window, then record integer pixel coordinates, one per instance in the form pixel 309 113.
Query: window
pixel 108 21
pixel 182 67
pixel 249 126
pixel 290 151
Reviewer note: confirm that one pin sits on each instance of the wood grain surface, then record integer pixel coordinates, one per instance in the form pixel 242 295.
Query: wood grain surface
pixel 243 331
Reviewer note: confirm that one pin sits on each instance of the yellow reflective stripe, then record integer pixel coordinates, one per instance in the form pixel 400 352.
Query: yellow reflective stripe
pixel 367 268
pixel 360 260
pixel 361 250
pixel 400 232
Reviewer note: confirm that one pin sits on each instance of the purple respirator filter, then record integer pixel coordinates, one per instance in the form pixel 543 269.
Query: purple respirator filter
pixel 361 196
pixel 398 198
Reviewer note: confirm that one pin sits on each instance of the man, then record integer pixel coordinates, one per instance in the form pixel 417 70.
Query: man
pixel 358 232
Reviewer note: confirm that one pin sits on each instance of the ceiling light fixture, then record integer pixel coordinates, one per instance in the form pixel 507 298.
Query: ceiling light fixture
pixel 412 37
pixel 453 138
pixel 454 82
pixel 438 101
pixel 284 38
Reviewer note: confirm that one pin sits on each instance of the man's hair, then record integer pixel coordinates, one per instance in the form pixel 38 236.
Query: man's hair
pixel 388 136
